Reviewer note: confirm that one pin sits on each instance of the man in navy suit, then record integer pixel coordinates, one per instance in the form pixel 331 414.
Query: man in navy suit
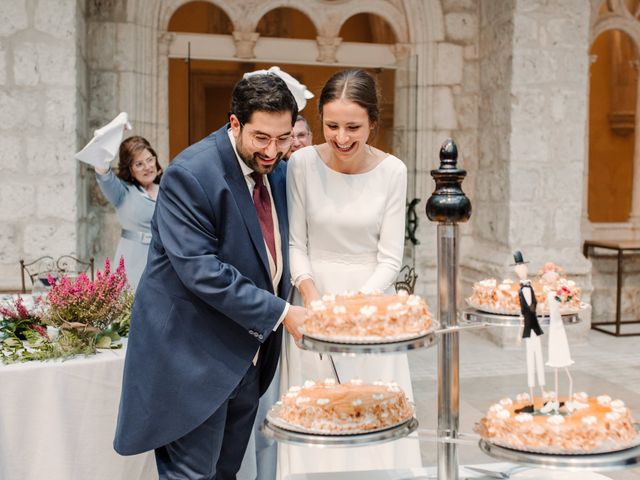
pixel 206 324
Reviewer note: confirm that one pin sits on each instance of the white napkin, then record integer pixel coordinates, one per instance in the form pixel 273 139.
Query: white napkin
pixel 300 92
pixel 105 143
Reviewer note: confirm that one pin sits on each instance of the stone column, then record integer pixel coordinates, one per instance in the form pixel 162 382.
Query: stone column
pixel 532 130
pixel 328 48
pixel 634 217
pixel 245 43
pixel 43 98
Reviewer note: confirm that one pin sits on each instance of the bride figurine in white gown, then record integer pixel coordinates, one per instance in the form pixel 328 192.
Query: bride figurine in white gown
pixel 346 204
pixel 559 353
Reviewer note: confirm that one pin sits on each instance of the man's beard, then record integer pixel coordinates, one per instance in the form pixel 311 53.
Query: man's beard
pixel 250 159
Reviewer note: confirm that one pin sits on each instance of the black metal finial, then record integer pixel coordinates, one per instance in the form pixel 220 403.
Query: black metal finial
pixel 448 203
pixel 448 154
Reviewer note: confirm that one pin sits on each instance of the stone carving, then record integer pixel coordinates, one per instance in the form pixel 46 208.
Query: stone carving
pixel 328 48
pixel 245 44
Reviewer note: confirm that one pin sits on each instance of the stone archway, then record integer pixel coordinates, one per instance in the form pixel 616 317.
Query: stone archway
pixel 137 31
pixel 610 17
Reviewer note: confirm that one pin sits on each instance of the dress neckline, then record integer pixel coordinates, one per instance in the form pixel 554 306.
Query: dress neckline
pixel 388 155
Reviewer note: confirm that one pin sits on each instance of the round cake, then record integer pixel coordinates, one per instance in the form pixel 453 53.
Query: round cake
pixel 583 425
pixel 368 316
pixel 355 407
pixel 492 296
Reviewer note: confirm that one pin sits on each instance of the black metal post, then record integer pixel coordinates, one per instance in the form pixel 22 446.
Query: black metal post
pixel 448 205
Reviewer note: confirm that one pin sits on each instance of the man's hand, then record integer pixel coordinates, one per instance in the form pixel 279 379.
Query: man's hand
pixel 293 321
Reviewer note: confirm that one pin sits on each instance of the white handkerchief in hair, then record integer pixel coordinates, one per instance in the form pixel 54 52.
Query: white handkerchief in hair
pixel 104 145
pixel 300 92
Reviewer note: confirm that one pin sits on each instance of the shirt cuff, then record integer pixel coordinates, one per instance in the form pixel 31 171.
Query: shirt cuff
pixel 284 314
pixel 300 278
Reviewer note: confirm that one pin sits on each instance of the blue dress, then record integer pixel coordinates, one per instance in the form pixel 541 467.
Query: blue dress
pixel 134 208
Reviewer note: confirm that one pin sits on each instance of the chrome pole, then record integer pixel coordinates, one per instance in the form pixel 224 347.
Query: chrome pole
pixel 448 353
pixel 448 206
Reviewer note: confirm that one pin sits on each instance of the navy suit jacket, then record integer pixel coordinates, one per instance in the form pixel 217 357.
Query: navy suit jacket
pixel 205 302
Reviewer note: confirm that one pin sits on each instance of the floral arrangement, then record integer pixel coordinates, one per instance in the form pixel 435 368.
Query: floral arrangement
pixel 17 321
pixel 90 306
pixel 563 294
pixel 78 316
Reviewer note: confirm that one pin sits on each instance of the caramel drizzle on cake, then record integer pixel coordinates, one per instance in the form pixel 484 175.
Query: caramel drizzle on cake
pixel 502 297
pixel 368 315
pixel 331 407
pixel 594 423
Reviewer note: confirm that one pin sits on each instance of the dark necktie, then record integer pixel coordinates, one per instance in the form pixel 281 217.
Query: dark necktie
pixel 262 202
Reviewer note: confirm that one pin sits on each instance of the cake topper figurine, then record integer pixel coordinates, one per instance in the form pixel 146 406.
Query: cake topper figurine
pixel 559 355
pixel 531 332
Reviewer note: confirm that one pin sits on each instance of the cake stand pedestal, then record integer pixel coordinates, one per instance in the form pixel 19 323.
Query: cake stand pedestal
pixel 280 434
pixel 474 316
pixel 326 346
pixel 591 462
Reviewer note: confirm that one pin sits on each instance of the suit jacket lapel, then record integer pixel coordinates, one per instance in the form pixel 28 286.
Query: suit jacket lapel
pixel 277 181
pixel 238 186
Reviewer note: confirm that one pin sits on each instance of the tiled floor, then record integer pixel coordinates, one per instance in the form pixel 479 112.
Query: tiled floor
pixel 603 364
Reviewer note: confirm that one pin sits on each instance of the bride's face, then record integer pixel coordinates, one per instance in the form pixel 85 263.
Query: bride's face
pixel 346 128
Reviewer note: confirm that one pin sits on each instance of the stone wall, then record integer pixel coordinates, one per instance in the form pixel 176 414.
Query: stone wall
pixel 452 88
pixel 43 98
pixel 530 180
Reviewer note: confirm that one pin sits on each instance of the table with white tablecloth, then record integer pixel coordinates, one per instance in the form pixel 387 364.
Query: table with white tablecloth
pixel 58 418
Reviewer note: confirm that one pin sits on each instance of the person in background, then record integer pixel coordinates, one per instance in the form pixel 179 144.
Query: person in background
pixel 302 136
pixel 133 191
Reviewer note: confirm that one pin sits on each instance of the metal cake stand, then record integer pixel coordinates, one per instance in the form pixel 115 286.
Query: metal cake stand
pixel 617 460
pixel 280 434
pixel 448 206
pixel 325 346
pixel 475 316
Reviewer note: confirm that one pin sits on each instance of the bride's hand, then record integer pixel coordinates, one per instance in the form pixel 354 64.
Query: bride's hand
pixel 308 291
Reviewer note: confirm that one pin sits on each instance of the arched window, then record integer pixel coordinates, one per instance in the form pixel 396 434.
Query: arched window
pixel 200 17
pixel 612 110
pixel 286 23
pixel 367 28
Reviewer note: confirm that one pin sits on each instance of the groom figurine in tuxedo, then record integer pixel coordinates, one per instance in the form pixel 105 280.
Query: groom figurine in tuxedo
pixel 206 323
pixel 532 330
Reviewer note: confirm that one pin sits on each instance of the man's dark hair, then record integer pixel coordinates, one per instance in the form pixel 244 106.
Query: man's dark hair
pixel 262 93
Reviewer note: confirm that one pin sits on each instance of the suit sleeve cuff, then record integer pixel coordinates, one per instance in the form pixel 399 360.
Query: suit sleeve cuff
pixel 284 314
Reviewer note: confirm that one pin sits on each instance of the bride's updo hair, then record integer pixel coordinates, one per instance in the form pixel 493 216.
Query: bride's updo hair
pixel 355 85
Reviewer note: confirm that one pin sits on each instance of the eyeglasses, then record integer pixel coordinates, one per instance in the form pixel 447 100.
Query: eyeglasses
pixel 260 140
pixel 141 164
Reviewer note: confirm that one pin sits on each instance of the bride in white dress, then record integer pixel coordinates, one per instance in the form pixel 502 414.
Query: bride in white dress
pixel 346 204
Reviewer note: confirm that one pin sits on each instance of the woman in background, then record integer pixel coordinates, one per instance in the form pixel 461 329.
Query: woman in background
pixel 133 191
pixel 346 204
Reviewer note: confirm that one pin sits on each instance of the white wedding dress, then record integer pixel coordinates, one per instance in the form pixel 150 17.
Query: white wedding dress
pixel 347 233
pixel 559 354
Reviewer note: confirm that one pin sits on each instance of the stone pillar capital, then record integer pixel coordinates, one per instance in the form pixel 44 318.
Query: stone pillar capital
pixel 401 51
pixel 245 43
pixel 328 48
pixel 164 42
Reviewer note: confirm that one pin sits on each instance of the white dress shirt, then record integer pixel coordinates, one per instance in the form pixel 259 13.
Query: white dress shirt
pixel 274 266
